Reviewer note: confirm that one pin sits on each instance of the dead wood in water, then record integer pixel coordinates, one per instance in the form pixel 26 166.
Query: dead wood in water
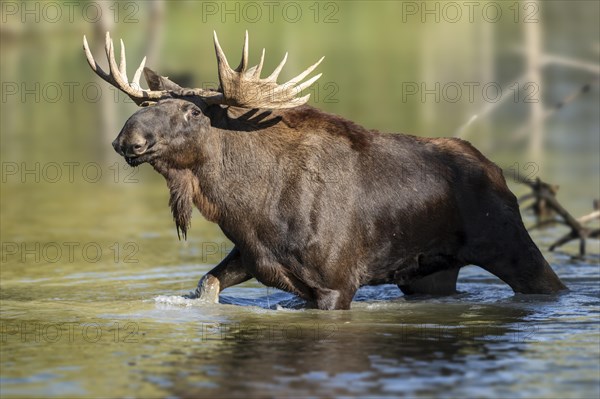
pixel 540 192
pixel 548 211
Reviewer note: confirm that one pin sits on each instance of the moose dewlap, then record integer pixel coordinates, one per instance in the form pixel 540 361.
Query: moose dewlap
pixel 315 204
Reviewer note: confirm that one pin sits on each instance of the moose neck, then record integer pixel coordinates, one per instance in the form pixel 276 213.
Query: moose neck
pixel 239 170
pixel 233 180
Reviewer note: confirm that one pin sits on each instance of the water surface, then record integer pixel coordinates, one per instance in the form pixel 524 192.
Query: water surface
pixel 79 323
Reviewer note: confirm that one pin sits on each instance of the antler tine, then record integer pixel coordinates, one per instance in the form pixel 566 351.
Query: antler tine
pixel 286 93
pixel 273 77
pixel 92 62
pixel 302 75
pixel 107 47
pixel 289 102
pixel 117 75
pixel 298 101
pixel 122 82
pixel 222 63
pixel 308 82
pixel 123 62
pixel 138 74
pixel 244 62
pixel 112 63
pixel 257 71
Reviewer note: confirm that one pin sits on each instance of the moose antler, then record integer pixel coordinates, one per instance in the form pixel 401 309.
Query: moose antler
pixel 241 87
pixel 118 75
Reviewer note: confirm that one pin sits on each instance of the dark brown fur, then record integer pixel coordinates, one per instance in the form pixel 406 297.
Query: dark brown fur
pixel 319 206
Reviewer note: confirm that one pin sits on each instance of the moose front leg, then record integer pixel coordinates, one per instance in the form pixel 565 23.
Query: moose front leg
pixel 226 274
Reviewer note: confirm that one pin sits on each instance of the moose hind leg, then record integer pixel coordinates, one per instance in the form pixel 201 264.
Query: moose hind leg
pixel 439 283
pixel 526 273
pixel 516 260
pixel 497 241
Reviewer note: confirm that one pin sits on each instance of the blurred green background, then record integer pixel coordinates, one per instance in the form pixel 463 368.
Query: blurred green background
pixel 491 72
pixel 425 68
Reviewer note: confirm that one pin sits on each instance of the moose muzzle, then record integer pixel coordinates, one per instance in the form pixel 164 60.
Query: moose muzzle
pixel 131 146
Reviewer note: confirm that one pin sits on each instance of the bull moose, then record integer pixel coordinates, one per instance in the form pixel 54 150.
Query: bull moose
pixel 315 204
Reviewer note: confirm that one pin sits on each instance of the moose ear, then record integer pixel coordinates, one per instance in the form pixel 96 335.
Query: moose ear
pixel 157 82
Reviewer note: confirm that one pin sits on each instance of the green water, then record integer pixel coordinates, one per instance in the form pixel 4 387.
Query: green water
pixel 94 310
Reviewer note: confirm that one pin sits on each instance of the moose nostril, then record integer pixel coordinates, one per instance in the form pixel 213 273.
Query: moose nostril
pixel 139 147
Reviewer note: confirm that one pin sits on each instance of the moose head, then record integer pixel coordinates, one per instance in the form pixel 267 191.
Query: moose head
pixel 173 119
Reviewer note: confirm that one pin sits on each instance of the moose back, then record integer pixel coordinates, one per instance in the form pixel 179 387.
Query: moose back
pixel 317 205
